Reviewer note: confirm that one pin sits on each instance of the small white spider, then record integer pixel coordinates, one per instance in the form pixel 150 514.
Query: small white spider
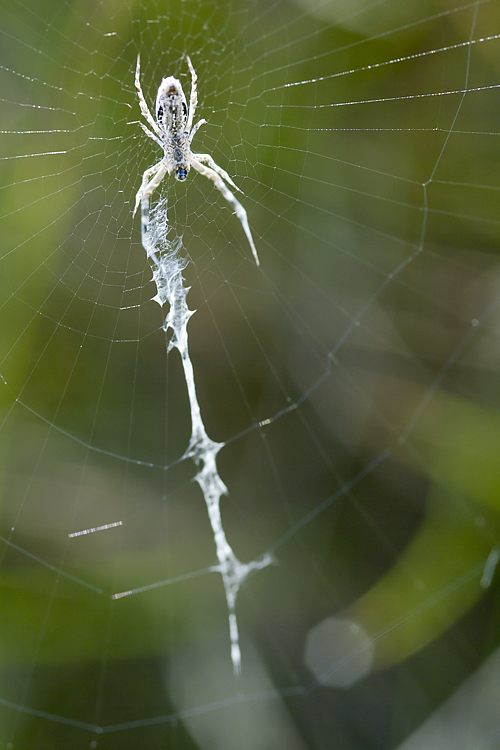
pixel 173 131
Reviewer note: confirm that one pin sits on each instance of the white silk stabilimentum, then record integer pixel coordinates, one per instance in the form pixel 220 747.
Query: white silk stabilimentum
pixel 167 274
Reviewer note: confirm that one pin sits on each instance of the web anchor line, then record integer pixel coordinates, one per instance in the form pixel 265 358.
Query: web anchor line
pixel 168 266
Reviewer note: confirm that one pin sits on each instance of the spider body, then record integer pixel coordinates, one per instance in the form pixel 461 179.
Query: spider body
pixel 171 117
pixel 173 131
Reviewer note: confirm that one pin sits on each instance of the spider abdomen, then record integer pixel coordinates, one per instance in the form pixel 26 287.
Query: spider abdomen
pixel 171 107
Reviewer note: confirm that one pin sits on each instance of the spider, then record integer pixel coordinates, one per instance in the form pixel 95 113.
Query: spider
pixel 173 131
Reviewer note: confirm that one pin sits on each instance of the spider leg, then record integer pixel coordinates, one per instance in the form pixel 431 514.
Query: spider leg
pixel 195 130
pixel 151 135
pixel 159 170
pixel 193 100
pixel 142 102
pixel 219 184
pixel 222 172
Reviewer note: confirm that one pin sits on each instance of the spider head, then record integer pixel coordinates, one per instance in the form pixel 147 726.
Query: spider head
pixel 181 168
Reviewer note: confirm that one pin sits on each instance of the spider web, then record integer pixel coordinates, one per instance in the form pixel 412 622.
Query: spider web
pixel 351 379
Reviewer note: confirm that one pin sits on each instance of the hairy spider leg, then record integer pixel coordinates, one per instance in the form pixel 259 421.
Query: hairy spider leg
pixel 238 208
pixel 142 102
pixel 151 135
pixel 195 130
pixel 193 100
pixel 159 170
pixel 210 162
